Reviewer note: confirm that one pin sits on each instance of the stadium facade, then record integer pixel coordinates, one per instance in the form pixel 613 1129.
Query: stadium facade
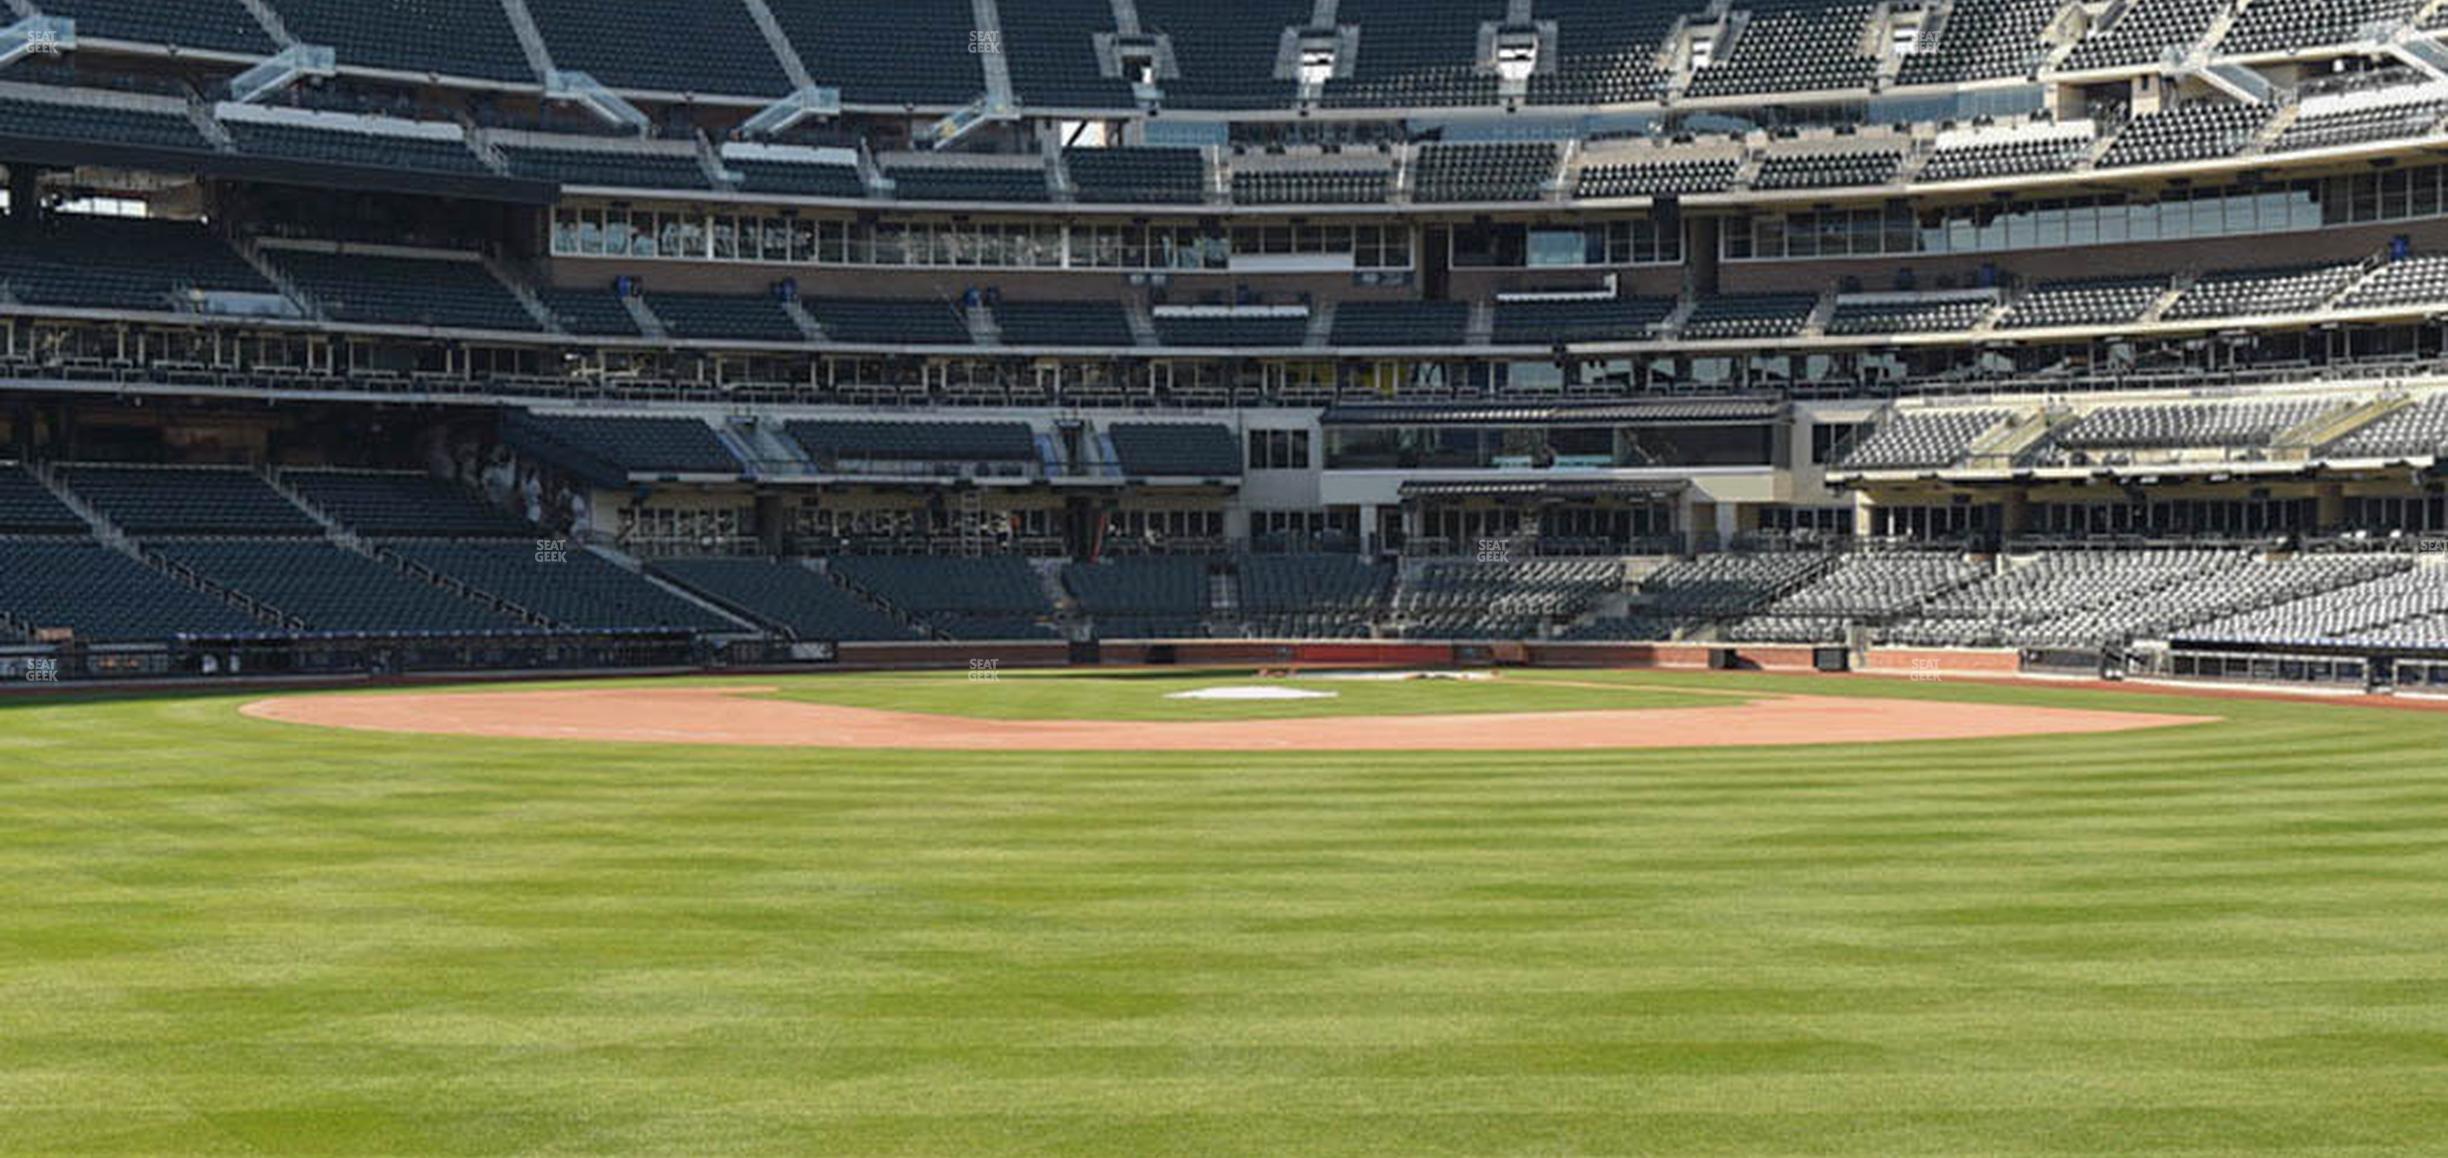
pixel 440 334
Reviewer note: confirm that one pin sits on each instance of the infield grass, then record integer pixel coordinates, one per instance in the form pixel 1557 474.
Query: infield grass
pixel 220 935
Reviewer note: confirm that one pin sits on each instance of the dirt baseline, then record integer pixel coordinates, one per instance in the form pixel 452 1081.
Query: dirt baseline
pixel 734 715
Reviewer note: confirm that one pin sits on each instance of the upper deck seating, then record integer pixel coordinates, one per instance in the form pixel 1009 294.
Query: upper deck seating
pixel 1606 51
pixel 1226 53
pixel 1517 171
pixel 120 263
pixel 71 120
pixel 1415 53
pixel 2416 431
pixel 1051 48
pixel 1195 449
pixel 2407 281
pixel 588 312
pixel 622 446
pixel 1792 46
pixel 2144 32
pixel 332 143
pixel 797 178
pixel 1984 40
pixel 1921 438
pixel 968 183
pixel 910 52
pixel 1828 170
pixel 218 25
pixel 1232 329
pixel 614 168
pixel 2294 25
pixel 1064 324
pixel 1400 323
pixel 388 289
pixel 757 319
pixel 893 323
pixel 470 38
pixel 1138 176
pixel 1320 186
pixel 1656 178
pixel 2005 157
pixel 1552 322
pixel 1750 316
pixel 2249 292
pixel 2194 132
pixel 2102 302
pixel 677 46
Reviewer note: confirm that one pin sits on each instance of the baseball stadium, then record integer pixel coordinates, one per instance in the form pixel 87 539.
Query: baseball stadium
pixel 1117 577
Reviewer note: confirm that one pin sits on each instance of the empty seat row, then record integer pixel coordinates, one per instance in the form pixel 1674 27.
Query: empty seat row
pixel 1656 178
pixel 611 449
pixel 187 500
pixel 786 595
pixel 1189 449
pixel 316 586
pixel 101 595
pixel 577 589
pixel 391 504
pixel 1506 172
pixel 1921 438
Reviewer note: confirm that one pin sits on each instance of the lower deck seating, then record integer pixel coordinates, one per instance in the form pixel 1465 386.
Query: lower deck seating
pixel 1140 586
pixel 2096 598
pixel 103 596
pixel 324 588
pixel 787 595
pixel 997 597
pixel 1471 600
pixel 1725 586
pixel 578 589
pixel 392 504
pixel 26 507
pixel 187 500
pixel 1311 596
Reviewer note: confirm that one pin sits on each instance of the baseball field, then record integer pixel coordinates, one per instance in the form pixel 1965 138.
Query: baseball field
pixel 1557 912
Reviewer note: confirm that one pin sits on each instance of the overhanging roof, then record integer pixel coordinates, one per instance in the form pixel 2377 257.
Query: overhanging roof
pixel 1696 411
pixel 1543 488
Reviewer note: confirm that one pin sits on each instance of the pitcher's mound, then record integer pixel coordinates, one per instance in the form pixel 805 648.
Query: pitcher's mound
pixel 1249 692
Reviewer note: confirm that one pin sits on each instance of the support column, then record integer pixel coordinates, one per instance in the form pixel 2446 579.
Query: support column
pixel 2329 514
pixel 25 195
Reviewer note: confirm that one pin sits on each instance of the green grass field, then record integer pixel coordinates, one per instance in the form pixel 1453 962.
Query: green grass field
pixel 219 935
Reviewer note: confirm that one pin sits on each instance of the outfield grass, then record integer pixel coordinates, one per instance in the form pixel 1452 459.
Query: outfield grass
pixel 223 935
